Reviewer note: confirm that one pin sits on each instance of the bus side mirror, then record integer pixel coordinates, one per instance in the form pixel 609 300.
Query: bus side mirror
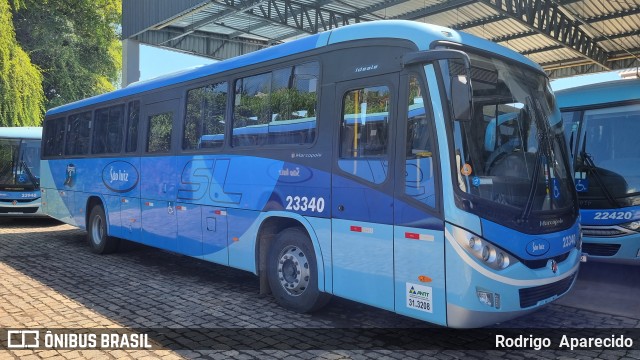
pixel 461 92
pixel 461 99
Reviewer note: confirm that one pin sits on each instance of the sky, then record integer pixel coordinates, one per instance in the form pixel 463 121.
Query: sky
pixel 171 61
pixel 155 61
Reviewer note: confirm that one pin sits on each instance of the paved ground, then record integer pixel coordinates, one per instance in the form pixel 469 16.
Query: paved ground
pixel 49 279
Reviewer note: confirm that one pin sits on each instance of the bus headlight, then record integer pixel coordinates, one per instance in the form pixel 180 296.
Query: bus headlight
pixel 490 254
pixel 634 225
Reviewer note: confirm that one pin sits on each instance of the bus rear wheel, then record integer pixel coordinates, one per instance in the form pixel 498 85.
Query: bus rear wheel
pixel 293 272
pixel 99 241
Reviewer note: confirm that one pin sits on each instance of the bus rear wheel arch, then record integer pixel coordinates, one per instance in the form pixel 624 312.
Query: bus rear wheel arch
pixel 97 231
pixel 292 271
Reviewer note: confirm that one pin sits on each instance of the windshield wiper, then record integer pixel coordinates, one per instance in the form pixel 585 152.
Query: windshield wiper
pixel 588 161
pixel 34 180
pixel 536 115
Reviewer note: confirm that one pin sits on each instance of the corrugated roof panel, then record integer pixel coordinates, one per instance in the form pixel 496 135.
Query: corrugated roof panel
pixel 473 17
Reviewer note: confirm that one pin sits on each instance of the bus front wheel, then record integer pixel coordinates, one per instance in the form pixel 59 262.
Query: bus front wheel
pixel 99 241
pixel 293 272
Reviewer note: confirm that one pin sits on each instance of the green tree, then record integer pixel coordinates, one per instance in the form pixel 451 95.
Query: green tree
pixel 74 42
pixel 21 96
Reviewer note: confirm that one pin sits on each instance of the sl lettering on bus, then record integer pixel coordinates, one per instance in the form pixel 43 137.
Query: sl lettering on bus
pixel 202 177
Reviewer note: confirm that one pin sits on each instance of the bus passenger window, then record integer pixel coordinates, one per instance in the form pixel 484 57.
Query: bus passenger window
pixel 419 180
pixel 107 132
pixel 54 137
pixel 78 134
pixel 159 137
pixel 132 127
pixel 364 133
pixel 204 119
pixel 276 108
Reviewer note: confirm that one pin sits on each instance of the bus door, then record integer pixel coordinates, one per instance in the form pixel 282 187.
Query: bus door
pixel 158 175
pixel 362 190
pixel 419 269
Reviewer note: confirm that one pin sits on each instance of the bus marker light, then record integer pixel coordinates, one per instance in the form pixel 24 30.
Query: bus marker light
pixel 360 229
pixel 181 208
pixel 220 212
pixel 485 297
pixel 124 201
pixel 132 220
pixel 148 203
pixel 416 236
pixel 424 278
pixel 235 239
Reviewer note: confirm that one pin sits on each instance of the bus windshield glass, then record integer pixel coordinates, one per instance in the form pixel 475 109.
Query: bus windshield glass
pixel 19 163
pixel 608 154
pixel 511 156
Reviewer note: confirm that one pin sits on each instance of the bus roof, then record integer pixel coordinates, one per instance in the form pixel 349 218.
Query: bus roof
pixel 419 33
pixel 599 93
pixel 21 133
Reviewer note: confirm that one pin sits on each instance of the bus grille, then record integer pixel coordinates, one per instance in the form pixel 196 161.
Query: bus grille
pixel 531 296
pixel 600 249
pixel 604 231
pixel 539 264
pixel 9 201
pixel 24 210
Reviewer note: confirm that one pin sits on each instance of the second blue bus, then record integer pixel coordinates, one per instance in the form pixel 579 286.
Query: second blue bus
pixel 602 123
pixel 20 171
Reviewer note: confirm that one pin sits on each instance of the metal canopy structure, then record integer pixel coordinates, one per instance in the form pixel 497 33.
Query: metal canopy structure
pixel 566 37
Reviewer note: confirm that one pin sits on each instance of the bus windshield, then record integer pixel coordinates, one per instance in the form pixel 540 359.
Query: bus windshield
pixel 19 163
pixel 609 156
pixel 511 157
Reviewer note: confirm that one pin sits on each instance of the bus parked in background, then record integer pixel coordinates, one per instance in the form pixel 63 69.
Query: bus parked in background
pixel 364 162
pixel 20 171
pixel 602 124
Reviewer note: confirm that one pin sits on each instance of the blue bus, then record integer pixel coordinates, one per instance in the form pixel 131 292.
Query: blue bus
pixel 20 171
pixel 599 123
pixel 351 163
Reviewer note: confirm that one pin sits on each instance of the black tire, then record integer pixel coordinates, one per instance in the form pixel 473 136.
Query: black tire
pixel 99 240
pixel 291 256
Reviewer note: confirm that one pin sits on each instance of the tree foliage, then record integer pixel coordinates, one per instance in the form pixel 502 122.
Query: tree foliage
pixel 21 95
pixel 74 42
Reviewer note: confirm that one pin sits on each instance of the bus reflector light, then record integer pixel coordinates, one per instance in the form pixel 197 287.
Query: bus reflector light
pixel 360 229
pixel 416 236
pixel 485 297
pixel 424 278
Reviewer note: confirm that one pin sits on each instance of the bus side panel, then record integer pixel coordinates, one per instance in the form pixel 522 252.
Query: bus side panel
pixel 53 174
pixel 158 194
pixel 362 255
pixel 243 228
pixel 112 207
pixel 190 231
pixel 419 270
pixel 214 235
pixel 321 230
